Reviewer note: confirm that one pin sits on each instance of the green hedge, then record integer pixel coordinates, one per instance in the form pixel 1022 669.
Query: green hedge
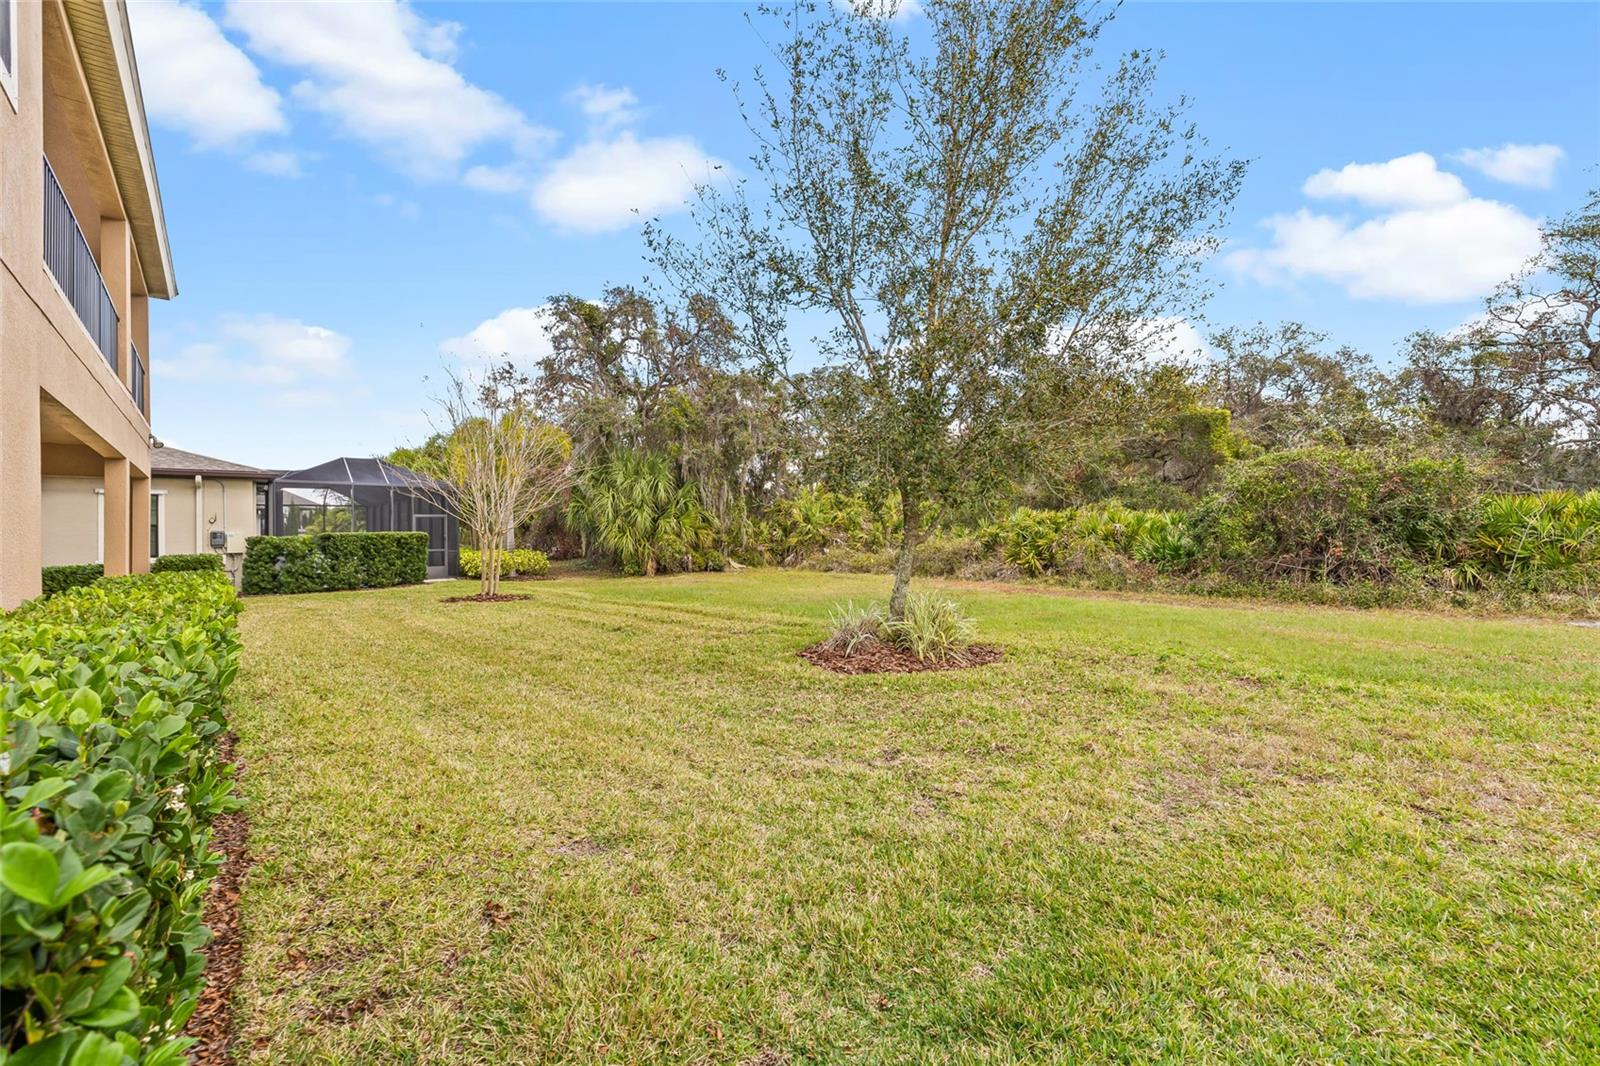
pixel 168 564
pixel 60 578
pixel 326 561
pixel 112 699
pixel 520 561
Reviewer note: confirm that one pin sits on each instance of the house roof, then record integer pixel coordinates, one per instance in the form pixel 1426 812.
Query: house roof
pixel 167 461
pixel 104 42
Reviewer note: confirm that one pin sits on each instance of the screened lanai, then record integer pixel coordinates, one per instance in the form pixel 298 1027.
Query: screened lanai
pixel 351 495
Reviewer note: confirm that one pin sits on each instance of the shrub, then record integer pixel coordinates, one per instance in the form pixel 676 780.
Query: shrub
pixel 326 561
pixel 1536 538
pixel 1336 514
pixel 934 628
pixel 111 697
pixel 522 562
pixel 60 578
pixel 1097 538
pixel 167 564
pixel 852 628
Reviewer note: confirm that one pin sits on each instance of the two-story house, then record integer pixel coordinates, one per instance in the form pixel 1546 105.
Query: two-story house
pixel 83 250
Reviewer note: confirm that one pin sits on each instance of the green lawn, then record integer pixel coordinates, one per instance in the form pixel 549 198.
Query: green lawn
pixel 622 822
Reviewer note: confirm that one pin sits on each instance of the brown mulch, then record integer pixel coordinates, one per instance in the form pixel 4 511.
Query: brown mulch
pixel 882 658
pixel 479 597
pixel 212 1021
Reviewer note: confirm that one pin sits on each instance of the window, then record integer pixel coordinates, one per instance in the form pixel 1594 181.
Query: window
pixel 158 524
pixel 8 48
pixel 261 507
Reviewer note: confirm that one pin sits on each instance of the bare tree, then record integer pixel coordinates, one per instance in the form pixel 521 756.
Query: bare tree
pixel 501 464
pixel 976 218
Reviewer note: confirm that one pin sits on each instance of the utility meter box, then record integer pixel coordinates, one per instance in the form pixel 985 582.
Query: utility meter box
pixel 235 545
pixel 219 538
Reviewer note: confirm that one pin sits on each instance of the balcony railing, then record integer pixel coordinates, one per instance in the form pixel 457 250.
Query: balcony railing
pixel 67 254
pixel 136 376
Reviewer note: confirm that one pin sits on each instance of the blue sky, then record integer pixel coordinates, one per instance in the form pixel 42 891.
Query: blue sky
pixel 358 194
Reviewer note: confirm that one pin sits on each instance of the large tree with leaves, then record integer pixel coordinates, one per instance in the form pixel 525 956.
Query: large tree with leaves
pixel 979 214
pixel 1524 378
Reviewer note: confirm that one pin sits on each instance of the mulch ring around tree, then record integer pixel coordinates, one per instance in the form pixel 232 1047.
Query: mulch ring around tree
pixel 212 1021
pixel 881 658
pixel 478 597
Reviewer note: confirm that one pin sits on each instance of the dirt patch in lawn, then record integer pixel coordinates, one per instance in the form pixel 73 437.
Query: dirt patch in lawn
pixel 879 658
pixel 212 1021
pixel 478 597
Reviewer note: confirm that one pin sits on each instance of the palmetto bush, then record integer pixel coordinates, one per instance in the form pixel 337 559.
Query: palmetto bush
pixel 1534 536
pixel 633 507
pixel 1056 542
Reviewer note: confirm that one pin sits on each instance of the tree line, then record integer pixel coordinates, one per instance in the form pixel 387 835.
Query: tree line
pixel 994 237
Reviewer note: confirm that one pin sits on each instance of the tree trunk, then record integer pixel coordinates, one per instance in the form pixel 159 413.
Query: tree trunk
pixel 650 565
pixel 910 534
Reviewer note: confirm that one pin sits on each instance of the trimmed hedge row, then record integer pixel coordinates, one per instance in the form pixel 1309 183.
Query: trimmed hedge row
pixel 323 562
pixel 521 561
pixel 60 578
pixel 171 564
pixel 112 699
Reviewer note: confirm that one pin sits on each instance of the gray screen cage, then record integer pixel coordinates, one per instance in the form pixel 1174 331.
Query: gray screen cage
pixel 349 495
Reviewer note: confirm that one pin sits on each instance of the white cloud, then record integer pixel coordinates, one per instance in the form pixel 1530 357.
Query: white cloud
pixel 608 183
pixel 283 164
pixel 606 108
pixel 197 81
pixel 501 179
pixel 517 334
pixel 1175 340
pixel 282 354
pixel 1442 254
pixel 1533 165
pixel 1413 180
pixel 382 74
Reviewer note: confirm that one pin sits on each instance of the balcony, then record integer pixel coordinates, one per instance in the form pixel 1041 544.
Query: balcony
pixel 67 254
pixel 136 376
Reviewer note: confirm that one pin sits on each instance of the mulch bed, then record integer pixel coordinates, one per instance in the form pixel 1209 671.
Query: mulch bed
pixel 479 597
pixel 888 659
pixel 212 1021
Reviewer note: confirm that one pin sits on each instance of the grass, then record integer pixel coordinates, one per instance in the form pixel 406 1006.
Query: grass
pixel 622 822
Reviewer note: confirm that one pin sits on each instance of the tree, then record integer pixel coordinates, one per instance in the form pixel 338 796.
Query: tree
pixel 1523 381
pixel 972 224
pixel 1285 390
pixel 501 465
pixel 634 508
pixel 616 365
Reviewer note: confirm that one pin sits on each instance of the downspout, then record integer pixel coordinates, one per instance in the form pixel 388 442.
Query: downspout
pixel 199 513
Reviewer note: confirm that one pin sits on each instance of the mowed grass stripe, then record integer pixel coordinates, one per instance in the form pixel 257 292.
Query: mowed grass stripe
pixel 622 822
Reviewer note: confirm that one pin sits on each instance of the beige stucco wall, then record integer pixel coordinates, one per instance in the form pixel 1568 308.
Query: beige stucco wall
pixel 54 382
pixel 71 520
pixel 228 505
pixel 70 517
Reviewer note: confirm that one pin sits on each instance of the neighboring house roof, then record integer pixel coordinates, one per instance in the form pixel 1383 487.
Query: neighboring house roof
pixel 175 462
pixel 104 42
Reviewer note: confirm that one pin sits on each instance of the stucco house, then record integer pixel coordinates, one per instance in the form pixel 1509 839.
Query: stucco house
pixel 198 503
pixel 83 249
